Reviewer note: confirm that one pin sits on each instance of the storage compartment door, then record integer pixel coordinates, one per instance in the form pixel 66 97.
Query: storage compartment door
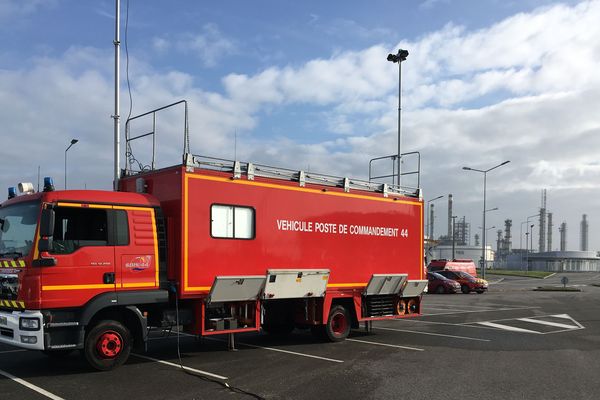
pixel 385 284
pixel 236 288
pixel 295 283
pixel 414 288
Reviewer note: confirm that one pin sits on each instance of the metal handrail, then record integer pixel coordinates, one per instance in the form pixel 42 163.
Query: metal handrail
pixel 394 174
pixel 302 177
pixel 131 160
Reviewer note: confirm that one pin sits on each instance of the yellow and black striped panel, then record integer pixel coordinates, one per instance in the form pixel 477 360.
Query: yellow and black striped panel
pixel 18 305
pixel 12 264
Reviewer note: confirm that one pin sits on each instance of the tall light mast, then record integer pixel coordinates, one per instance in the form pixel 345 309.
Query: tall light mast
pixel 116 116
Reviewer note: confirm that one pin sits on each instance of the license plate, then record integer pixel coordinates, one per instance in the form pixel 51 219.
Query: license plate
pixel 3 321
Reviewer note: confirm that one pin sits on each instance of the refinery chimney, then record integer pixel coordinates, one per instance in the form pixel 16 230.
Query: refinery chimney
pixel 507 236
pixel 542 224
pixel 549 231
pixel 563 236
pixel 584 234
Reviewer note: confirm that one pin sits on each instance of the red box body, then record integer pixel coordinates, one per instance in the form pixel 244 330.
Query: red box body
pixel 353 234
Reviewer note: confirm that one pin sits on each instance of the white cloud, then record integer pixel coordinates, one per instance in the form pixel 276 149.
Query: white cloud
pixel 19 8
pixel 429 4
pixel 524 89
pixel 209 46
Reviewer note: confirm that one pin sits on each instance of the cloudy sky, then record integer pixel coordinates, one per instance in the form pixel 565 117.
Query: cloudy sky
pixel 306 85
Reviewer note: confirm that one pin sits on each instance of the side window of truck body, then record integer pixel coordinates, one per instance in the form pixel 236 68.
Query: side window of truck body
pixel 232 222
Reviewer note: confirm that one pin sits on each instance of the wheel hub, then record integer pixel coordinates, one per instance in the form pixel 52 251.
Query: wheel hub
pixel 109 344
pixel 339 324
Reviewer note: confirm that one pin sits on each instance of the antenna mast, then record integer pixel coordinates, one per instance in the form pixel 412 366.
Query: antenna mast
pixel 116 117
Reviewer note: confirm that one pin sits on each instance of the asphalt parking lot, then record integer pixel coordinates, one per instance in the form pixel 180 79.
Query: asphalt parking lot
pixel 509 343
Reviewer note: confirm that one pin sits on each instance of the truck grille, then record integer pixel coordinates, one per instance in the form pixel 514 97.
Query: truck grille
pixel 9 287
pixel 7 332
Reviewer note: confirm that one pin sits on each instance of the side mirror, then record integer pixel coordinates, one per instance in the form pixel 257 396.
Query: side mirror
pixel 47 223
pixel 45 244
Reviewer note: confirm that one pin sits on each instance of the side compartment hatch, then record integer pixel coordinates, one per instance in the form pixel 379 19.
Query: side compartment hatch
pixel 295 283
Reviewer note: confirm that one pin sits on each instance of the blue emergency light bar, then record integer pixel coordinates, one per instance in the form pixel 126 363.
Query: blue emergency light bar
pixel 48 184
pixel 12 192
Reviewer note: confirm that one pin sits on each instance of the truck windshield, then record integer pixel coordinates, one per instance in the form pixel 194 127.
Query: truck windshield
pixel 17 228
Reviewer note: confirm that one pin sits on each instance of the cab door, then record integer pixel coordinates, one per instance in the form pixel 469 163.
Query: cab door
pixel 82 245
pixel 137 263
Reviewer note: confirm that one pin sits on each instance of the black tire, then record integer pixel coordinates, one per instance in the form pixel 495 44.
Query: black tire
pixel 107 345
pixel 465 289
pixel 440 290
pixel 338 324
pixel 57 353
pixel 480 291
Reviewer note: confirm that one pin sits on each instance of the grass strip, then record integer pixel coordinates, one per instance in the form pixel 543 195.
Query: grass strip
pixel 528 274
pixel 556 289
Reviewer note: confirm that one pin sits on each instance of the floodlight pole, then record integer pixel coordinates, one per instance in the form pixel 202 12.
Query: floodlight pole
pixel 116 116
pixel 429 224
pixel 398 58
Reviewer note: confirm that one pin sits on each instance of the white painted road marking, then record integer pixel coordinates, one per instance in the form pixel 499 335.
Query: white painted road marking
pixel 198 371
pixel 280 350
pixel 567 316
pixel 478 311
pixel 532 320
pixel 556 324
pixel 31 386
pixel 433 334
pixel 385 344
pixel 506 327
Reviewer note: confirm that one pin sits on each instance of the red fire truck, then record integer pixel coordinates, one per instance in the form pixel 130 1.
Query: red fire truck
pixel 214 246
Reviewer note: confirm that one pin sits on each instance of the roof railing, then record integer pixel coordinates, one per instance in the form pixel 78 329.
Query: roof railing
pixel 237 169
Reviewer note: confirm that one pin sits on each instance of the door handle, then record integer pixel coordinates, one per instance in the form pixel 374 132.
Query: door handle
pixel 108 278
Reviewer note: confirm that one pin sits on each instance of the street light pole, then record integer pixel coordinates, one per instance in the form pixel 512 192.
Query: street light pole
pixel 484 172
pixel 398 58
pixel 527 236
pixel 429 224
pixel 73 141
pixel 521 235
pixel 527 249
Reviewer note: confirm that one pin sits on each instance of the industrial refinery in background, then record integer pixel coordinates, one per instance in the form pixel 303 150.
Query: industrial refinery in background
pixel 536 250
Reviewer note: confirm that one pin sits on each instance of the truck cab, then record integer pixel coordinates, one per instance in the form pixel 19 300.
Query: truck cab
pixel 72 259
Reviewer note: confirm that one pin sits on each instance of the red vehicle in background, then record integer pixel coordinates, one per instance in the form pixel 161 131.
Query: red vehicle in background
pixel 440 284
pixel 467 266
pixel 468 283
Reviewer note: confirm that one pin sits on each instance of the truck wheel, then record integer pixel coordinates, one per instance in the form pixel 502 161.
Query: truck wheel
pixel 107 345
pixel 465 289
pixel 337 327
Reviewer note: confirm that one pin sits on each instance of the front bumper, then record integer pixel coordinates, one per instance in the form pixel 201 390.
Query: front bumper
pixel 12 334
